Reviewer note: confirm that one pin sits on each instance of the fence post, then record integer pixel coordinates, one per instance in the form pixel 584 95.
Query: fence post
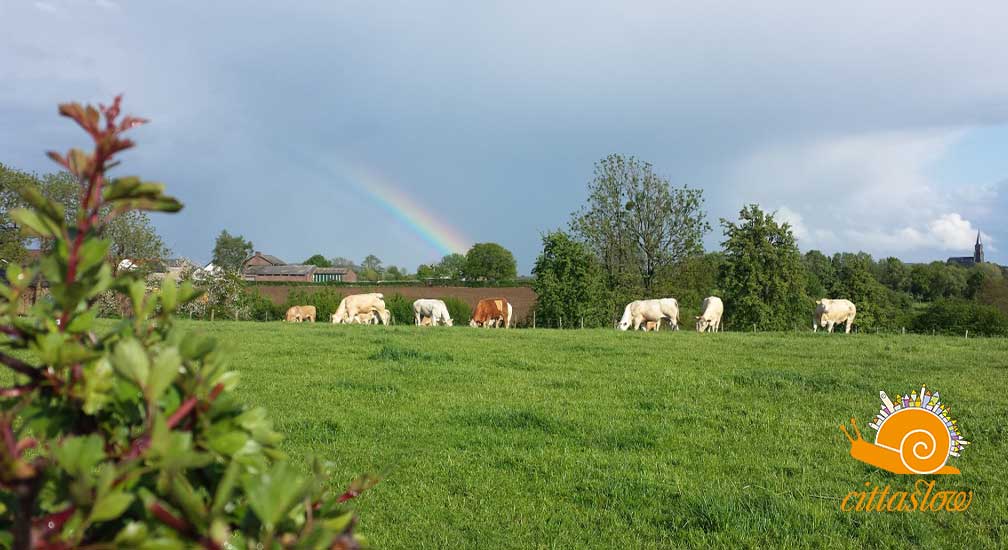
pixel 754 327
pixel 582 323
pixel 561 323
pixel 967 334
pixel 533 318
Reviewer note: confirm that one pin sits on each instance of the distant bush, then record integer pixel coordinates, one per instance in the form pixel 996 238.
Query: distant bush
pixel 955 317
pixel 458 310
pixel 325 300
pixel 261 308
pixel 401 308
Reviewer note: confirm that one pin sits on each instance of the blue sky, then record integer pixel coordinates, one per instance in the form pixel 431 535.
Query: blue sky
pixel 876 128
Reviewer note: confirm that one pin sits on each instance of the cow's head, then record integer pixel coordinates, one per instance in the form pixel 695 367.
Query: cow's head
pixel 702 323
pixel 623 325
pixel 448 321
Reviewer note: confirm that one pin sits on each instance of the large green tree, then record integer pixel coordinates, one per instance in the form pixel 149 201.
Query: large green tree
pixel 451 266
pixel 569 284
pixel 231 250
pixel 489 261
pixel 762 276
pixel 821 276
pixel 636 223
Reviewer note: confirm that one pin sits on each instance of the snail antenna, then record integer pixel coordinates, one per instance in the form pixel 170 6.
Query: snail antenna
pixel 844 430
pixel 853 422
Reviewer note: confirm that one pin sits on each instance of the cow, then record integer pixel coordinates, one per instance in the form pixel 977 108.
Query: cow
pixel 710 317
pixel 297 314
pixel 638 312
pixel 833 312
pixel 352 307
pixel 492 312
pixel 652 325
pixel 434 310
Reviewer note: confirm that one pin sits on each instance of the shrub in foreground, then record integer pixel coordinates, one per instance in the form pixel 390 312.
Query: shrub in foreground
pixel 134 438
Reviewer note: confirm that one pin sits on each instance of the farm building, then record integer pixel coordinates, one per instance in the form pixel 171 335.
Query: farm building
pixel 265 267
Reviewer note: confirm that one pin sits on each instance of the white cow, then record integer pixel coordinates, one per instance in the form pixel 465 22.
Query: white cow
pixel 638 312
pixel 833 312
pixel 358 308
pixel 435 310
pixel 713 309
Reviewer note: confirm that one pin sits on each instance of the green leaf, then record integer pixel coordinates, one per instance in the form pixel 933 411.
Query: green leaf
pixel 35 224
pixel 165 369
pixel 92 253
pixel 82 322
pixel 162 543
pixel 196 346
pixel 78 455
pixel 98 382
pixel 225 487
pixel 169 295
pixel 111 506
pixel 273 493
pixel 132 535
pixel 130 360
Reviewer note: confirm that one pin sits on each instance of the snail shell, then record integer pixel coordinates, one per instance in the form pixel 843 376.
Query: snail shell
pixel 920 438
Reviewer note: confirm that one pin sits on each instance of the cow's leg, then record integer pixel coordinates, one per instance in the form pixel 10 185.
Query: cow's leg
pixel 850 321
pixel 829 327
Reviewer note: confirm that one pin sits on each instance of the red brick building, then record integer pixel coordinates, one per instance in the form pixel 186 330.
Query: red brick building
pixel 265 267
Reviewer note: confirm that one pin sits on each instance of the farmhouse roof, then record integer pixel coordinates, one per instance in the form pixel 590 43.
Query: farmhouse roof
pixel 280 269
pixel 268 257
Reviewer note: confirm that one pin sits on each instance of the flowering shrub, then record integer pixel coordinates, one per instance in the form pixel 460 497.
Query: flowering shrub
pixel 132 437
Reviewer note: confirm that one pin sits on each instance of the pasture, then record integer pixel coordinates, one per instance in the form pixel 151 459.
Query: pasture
pixel 599 439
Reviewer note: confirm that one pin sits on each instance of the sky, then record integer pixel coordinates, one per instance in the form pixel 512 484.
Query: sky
pixel 412 129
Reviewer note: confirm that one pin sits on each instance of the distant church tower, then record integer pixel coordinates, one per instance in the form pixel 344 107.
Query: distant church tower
pixel 978 250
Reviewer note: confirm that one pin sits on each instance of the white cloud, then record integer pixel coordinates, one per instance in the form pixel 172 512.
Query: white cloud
pixel 871 192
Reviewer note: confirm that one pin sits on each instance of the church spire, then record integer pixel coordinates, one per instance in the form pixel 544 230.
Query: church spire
pixel 978 255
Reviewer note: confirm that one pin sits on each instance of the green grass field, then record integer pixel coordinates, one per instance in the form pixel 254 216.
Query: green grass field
pixel 599 439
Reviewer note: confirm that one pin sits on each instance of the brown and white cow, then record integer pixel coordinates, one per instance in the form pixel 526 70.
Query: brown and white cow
pixel 492 312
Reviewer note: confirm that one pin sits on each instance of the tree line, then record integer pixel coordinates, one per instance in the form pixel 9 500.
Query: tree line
pixel 638 237
pixel 483 262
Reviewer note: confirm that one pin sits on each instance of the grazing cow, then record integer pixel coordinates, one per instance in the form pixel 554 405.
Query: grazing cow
pixel 833 312
pixel 352 307
pixel 297 314
pixel 492 312
pixel 710 319
pixel 433 310
pixel 638 312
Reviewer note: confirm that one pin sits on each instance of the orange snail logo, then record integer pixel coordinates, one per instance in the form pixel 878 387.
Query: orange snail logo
pixel 915 435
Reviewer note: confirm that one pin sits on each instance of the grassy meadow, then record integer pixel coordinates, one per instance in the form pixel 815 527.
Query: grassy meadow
pixel 600 439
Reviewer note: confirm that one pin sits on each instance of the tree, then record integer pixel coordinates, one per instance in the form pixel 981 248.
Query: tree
pixel 635 223
pixel 373 263
pixel 821 276
pixel 489 261
pixel 318 260
pixel 133 236
pixel 451 266
pixel 393 273
pixel 134 438
pixel 13 239
pixel 894 274
pixel 690 281
pixel 877 306
pixel 426 271
pixel 763 277
pixel 231 250
pixel 569 284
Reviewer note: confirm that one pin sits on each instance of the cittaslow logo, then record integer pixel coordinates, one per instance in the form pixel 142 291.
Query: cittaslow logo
pixel 915 434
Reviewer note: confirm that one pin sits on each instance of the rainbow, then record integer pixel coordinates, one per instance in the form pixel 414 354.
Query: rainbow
pixel 405 208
